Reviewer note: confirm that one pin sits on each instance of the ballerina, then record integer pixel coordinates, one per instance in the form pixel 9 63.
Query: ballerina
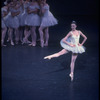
pixel 20 18
pixel 71 43
pixel 47 20
pixel 33 20
pixel 14 21
pixel 5 15
pixel 27 28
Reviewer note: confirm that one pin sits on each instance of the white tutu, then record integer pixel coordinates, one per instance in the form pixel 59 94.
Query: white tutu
pixel 73 40
pixel 6 19
pixel 48 19
pixel 32 19
pixel 13 21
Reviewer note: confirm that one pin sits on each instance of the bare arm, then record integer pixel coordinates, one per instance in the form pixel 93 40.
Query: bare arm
pixel 85 38
pixel 66 37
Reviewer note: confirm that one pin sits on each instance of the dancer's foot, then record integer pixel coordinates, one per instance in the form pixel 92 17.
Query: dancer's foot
pixel 46 44
pixel 71 76
pixel 28 41
pixel 3 45
pixel 47 57
pixel 12 43
pixel 25 41
pixel 32 44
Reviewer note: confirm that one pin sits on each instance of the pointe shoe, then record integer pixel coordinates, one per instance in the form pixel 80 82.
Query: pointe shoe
pixel 3 45
pixel 46 44
pixel 71 76
pixel 12 43
pixel 47 57
pixel 23 41
pixel 32 44
pixel 28 41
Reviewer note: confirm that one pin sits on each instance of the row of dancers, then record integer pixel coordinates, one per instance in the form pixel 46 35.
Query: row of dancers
pixel 21 18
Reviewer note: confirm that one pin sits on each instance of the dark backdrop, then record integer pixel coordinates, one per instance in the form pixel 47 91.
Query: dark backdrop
pixel 70 7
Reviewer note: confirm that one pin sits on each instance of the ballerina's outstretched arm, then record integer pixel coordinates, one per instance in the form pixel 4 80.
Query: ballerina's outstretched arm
pixel 62 52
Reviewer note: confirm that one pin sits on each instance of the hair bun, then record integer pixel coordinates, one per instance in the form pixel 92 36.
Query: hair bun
pixel 73 22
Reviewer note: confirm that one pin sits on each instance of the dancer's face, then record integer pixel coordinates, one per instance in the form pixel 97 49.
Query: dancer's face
pixel 73 26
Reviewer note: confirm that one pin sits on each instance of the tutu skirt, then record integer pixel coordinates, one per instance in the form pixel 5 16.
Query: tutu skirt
pixel 6 20
pixel 23 18
pixel 48 20
pixel 13 22
pixel 76 49
pixel 32 20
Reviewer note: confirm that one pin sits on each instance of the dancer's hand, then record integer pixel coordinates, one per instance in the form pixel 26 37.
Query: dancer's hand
pixel 72 45
pixel 79 44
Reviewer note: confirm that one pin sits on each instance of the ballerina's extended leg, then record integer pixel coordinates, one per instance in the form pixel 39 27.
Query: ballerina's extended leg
pixel 62 52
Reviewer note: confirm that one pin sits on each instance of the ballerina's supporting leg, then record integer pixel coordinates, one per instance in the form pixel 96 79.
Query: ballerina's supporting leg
pixel 33 35
pixel 20 33
pixel 8 35
pixel 26 34
pixel 16 35
pixel 62 52
pixel 11 36
pixel 3 36
pixel 72 65
pixel 41 36
pixel 46 36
